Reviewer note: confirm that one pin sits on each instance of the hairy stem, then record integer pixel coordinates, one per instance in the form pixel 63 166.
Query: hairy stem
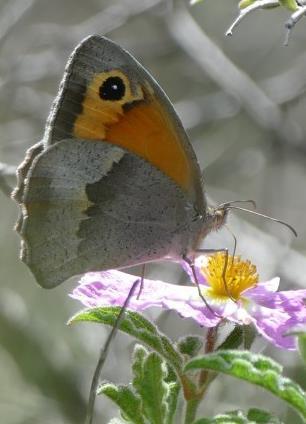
pixel 103 356
pixel 191 410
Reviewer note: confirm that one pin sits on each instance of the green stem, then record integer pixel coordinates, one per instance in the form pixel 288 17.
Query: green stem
pixel 191 410
pixel 211 338
pixel 103 356
pixel 205 378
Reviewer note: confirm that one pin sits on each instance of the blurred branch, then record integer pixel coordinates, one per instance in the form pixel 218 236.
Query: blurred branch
pixel 260 4
pixel 6 171
pixel 289 85
pixel 109 19
pixel 234 81
pixel 283 88
pixel 11 13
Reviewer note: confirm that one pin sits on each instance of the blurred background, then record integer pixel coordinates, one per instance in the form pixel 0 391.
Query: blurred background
pixel 241 99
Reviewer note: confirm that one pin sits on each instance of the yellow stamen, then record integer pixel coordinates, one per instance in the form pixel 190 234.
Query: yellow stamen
pixel 239 275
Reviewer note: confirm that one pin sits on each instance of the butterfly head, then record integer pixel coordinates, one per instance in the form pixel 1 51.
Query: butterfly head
pixel 215 218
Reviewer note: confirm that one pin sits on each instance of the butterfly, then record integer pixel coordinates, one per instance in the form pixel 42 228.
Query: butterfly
pixel 115 181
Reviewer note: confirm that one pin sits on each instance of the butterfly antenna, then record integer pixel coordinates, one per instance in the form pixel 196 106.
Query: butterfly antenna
pixel 233 202
pixel 231 206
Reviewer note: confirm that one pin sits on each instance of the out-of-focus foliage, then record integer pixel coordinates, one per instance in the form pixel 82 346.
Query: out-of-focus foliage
pixel 242 101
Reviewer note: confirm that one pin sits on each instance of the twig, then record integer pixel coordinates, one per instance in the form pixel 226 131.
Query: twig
pixel 260 4
pixel 292 21
pixel 263 4
pixel 110 18
pixel 103 356
pixel 11 14
pixel 231 79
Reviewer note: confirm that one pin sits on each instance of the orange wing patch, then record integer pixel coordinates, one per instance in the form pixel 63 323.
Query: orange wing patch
pixel 98 114
pixel 137 122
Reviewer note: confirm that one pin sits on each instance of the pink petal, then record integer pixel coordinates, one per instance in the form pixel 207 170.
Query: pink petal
pixel 262 290
pixel 273 313
pixel 111 288
pixel 197 267
pixel 274 326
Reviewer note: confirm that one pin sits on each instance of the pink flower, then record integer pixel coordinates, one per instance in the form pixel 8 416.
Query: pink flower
pixel 239 297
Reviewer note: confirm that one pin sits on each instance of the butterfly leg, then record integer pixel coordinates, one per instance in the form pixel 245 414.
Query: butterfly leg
pixel 190 262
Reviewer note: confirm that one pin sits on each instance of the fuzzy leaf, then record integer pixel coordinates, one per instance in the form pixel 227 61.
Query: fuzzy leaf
pixel 254 416
pixel 256 369
pixel 262 417
pixel 137 326
pixel 249 334
pixel 172 398
pixel 244 334
pixel 233 340
pixel 140 356
pixel 289 4
pixel 152 389
pixel 190 345
pixel 126 400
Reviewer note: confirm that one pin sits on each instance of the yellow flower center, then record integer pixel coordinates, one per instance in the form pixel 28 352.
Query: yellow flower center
pixel 239 275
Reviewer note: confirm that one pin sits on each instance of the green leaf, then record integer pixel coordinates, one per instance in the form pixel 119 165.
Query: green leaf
pixel 256 369
pixel 140 357
pixel 152 388
pixel 262 417
pixel 116 421
pixel 223 419
pixel 172 398
pixel 254 416
pixel 193 2
pixel 233 340
pixel 244 334
pixel 300 333
pixel 137 326
pixel 249 335
pixel 190 345
pixel 245 3
pixel 289 4
pixel 302 345
pixel 126 400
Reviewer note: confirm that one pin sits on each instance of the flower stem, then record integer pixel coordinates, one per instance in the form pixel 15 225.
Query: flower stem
pixel 193 404
pixel 211 338
pixel 103 355
pixel 191 410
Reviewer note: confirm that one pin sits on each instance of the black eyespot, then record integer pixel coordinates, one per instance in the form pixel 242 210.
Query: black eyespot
pixel 113 88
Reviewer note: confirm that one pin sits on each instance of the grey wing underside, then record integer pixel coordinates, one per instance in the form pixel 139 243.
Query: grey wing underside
pixel 90 206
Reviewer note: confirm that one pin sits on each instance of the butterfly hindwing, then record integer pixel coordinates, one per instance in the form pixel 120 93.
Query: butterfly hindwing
pixel 87 207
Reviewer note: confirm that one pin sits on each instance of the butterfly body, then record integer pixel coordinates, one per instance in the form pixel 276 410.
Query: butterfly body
pixel 115 181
